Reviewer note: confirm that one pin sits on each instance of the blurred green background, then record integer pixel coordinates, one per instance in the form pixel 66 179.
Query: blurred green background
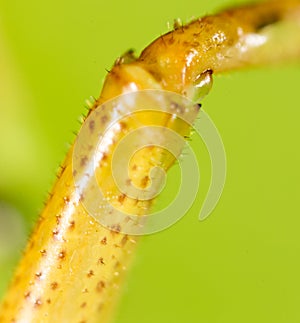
pixel 242 263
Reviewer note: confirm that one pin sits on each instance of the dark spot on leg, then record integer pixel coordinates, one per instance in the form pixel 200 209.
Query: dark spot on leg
pixel 171 41
pixel 72 225
pixel 92 125
pixel 27 295
pixel 123 125
pixel 38 302
pixel 62 255
pixel 124 240
pixel 61 171
pixel 101 261
pixel 43 252
pixel 104 119
pixel 58 217
pixel 115 228
pixel 100 286
pixel 90 273
pixel 31 244
pixel 55 232
pixel 145 181
pixel 66 199
pixel 54 285
pixel 121 198
pixel 104 241
pixel 83 161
